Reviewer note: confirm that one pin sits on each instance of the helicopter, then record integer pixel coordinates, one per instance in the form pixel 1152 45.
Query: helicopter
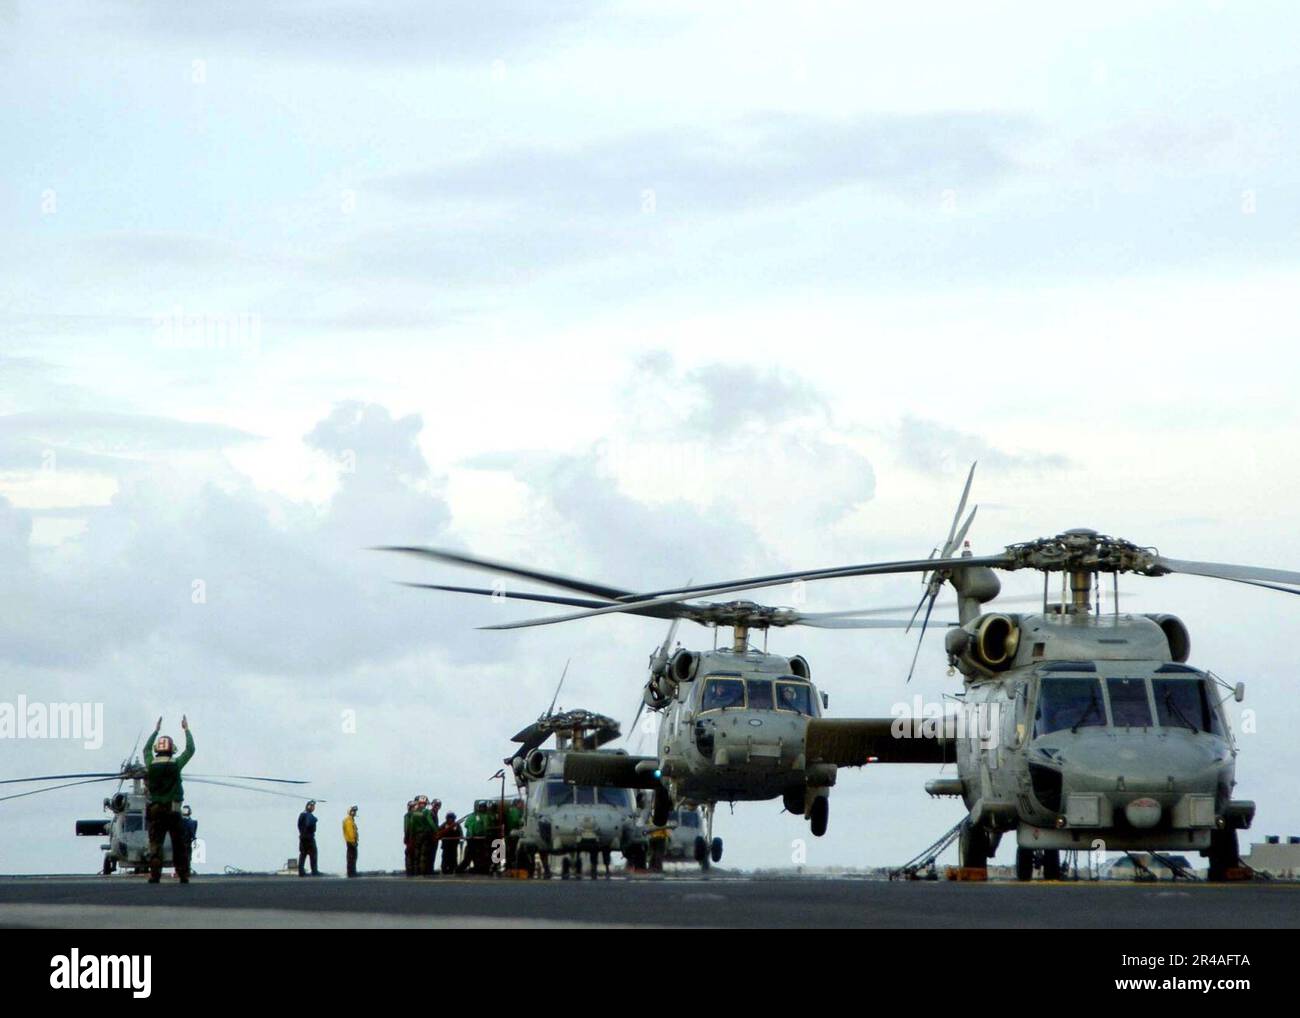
pixel 127 834
pixel 1104 737
pixel 561 818
pixel 736 723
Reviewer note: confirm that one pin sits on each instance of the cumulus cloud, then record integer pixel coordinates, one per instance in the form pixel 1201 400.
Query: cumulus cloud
pixel 934 448
pixel 244 578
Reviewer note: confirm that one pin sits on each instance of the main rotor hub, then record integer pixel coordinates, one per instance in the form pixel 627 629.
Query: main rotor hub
pixel 579 722
pixel 1084 551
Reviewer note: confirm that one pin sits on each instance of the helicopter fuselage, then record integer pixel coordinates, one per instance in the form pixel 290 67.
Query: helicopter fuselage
pixel 1093 737
pixel 734 731
pixel 126 831
pixel 564 818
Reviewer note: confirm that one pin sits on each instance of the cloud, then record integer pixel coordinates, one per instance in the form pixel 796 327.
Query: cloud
pixel 103 441
pixel 935 448
pixel 762 160
pixel 347 30
pixel 732 397
pixel 244 579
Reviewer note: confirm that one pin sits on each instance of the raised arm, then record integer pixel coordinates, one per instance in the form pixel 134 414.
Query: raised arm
pixel 189 743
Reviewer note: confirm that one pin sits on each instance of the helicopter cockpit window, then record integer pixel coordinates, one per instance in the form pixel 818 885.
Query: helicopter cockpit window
pixel 133 822
pixel 616 797
pixel 1070 704
pixel 722 693
pixel 796 696
pixel 1183 703
pixel 760 694
pixel 558 793
pixel 1128 703
pixel 690 819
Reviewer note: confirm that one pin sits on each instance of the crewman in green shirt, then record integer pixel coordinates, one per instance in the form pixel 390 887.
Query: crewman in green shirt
pixel 166 796
pixel 408 839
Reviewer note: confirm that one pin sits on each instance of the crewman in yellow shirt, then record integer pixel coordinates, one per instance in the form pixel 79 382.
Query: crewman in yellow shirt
pixel 350 839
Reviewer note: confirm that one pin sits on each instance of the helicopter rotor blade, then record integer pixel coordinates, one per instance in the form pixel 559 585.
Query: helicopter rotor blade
pixel 954 541
pixel 924 624
pixel 655 600
pixel 55 788
pixel 902 624
pixel 60 777
pixel 249 788
pixel 509 569
pixel 1229 571
pixel 665 612
pixel 961 534
pixel 246 777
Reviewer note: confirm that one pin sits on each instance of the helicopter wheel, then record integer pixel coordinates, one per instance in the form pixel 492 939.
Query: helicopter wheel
pixel 1024 864
pixel 715 850
pixel 973 846
pixel 109 866
pixel 1224 855
pixel 701 851
pixel 820 815
pixel 1052 864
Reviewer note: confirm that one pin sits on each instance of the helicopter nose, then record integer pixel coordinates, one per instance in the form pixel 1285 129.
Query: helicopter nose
pixel 1140 770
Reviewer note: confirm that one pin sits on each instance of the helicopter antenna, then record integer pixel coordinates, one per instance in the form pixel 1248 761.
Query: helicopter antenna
pixel 551 709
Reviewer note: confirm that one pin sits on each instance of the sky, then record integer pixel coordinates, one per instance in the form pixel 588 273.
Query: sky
pixel 643 292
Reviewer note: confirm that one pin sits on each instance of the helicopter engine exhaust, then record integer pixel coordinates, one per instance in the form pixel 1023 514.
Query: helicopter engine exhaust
pixel 535 764
pixel 996 640
pixel 1180 640
pixel 799 666
pixel 682 667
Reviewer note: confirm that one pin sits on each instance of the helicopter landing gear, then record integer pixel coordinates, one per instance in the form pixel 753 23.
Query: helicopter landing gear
pixel 702 853
pixel 1052 864
pixel 1024 864
pixel 820 815
pixel 715 850
pixel 663 805
pixel 1224 855
pixel 973 847
pixel 109 865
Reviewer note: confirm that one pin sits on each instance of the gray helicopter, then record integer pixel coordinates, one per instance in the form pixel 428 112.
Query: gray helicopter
pixel 565 819
pixel 736 723
pixel 125 831
pixel 1079 730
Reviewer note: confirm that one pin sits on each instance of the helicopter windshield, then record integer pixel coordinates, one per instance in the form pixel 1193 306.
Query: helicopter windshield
pixel 559 794
pixel 760 694
pixel 1184 703
pixel 722 693
pixel 133 822
pixel 1071 703
pixel 616 797
pixel 1129 707
pixel 796 696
